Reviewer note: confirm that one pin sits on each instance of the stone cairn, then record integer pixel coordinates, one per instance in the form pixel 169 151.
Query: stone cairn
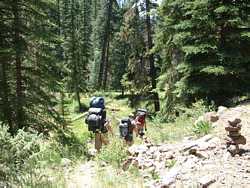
pixel 234 138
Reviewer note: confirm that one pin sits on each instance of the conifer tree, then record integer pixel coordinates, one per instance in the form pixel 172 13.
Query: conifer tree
pixel 207 44
pixel 28 72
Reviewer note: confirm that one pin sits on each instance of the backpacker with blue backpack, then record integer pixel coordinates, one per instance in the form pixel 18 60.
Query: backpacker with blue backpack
pixel 96 117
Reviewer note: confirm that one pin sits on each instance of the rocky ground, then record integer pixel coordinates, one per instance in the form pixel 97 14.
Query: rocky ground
pixel 204 162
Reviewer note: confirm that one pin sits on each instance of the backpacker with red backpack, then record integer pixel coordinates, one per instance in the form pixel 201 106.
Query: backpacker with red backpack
pixel 141 119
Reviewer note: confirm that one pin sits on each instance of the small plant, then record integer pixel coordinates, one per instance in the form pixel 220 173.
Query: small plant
pixel 170 163
pixel 155 175
pixel 114 153
pixel 202 128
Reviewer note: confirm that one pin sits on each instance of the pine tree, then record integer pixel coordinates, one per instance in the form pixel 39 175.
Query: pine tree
pixel 135 80
pixel 206 41
pixel 77 45
pixel 151 56
pixel 28 50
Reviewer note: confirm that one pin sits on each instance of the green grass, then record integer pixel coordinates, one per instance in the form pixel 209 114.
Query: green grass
pixel 109 177
pixel 114 153
pixel 202 128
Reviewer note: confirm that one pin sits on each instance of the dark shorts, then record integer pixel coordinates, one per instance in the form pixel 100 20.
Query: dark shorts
pixel 141 132
pixel 129 137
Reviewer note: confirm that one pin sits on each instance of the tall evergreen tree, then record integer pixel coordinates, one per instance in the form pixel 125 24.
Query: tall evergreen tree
pixel 29 53
pixel 207 48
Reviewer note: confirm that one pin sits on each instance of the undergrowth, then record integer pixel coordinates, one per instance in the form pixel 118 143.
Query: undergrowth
pixel 114 153
pixel 183 125
pixel 202 128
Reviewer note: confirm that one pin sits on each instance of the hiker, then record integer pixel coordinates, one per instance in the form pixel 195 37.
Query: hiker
pixel 126 130
pixel 97 121
pixel 140 122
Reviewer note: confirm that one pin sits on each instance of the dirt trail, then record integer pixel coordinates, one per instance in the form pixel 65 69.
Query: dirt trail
pixel 82 177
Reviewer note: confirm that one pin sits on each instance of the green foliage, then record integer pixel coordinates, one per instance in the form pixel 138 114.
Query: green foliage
pixel 29 66
pixel 182 125
pixel 204 51
pixel 28 159
pixel 17 154
pixel 202 128
pixel 170 163
pixel 136 79
pixel 114 153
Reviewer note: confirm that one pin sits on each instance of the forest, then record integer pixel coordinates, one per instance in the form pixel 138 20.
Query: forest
pixel 176 58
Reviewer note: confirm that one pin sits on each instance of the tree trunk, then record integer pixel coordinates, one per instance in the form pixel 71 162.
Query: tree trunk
pixel 78 101
pixel 18 63
pixel 73 56
pixel 6 103
pixel 105 49
pixel 151 56
pixel 106 66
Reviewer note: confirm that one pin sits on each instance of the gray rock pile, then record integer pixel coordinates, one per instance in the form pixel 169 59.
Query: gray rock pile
pixel 234 136
pixel 168 163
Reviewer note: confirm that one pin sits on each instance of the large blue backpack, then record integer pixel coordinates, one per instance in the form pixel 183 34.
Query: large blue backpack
pixel 97 102
pixel 96 115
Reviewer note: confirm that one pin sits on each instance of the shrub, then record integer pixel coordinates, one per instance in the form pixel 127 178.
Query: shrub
pixel 17 153
pixel 202 128
pixel 114 153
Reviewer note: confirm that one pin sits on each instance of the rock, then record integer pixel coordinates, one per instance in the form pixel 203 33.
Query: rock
pixel 232 129
pixel 240 140
pixel 214 141
pixel 211 117
pixel 205 138
pixel 192 151
pixel 236 140
pixel 202 154
pixel 136 149
pixel 189 145
pixel 190 163
pixel 147 164
pixel 169 155
pixel 170 177
pixel 164 148
pixel 204 146
pixel 233 121
pixel 92 152
pixel 215 124
pixel 234 134
pixel 206 181
pixel 221 110
pixel 153 149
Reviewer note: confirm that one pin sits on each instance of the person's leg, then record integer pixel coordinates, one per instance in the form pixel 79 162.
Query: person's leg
pixel 129 139
pixel 141 132
pixel 98 141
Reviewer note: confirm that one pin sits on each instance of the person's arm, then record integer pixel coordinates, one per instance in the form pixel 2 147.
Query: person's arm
pixel 145 126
